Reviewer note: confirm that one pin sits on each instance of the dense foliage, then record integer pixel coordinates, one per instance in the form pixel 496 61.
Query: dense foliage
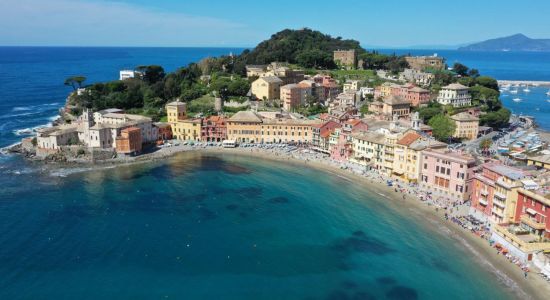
pixel 306 47
pixel 443 127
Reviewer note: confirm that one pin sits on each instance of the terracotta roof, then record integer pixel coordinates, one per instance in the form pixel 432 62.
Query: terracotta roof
pixel 408 139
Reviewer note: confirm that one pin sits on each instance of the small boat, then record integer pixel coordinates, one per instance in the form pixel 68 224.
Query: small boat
pixel 548 93
pixel 527 90
pixel 516 99
pixel 514 91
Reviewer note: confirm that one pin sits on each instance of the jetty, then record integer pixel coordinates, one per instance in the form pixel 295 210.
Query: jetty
pixel 524 82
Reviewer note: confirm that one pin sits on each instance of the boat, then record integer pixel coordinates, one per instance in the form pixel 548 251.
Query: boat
pixel 514 91
pixel 516 99
pixel 548 93
pixel 527 90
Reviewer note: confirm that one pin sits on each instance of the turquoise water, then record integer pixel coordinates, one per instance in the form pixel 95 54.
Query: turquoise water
pixel 219 227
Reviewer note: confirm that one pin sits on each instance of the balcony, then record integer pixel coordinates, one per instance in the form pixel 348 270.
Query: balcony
pixel 499 204
pixel 483 202
pixel 484 192
pixel 500 195
pixel 532 222
pixel 498 212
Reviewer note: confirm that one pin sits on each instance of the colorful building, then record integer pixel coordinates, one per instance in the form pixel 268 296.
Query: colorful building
pixel 244 127
pixel 267 88
pixel 214 129
pixel 448 173
pixel 129 142
pixel 494 192
pixel 292 96
pixel 466 126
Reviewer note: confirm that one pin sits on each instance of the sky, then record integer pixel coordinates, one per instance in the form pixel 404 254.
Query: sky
pixel 244 23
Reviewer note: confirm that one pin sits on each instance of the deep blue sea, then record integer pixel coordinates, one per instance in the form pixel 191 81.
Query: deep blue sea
pixel 222 227
pixel 205 227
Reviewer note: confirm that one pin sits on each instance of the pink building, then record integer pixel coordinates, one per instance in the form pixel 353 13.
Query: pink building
pixel 292 96
pixel 418 96
pixel 493 192
pixel 214 129
pixel 321 134
pixel 448 173
pixel 342 147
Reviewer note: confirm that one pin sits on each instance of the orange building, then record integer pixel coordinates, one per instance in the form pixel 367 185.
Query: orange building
pixel 129 141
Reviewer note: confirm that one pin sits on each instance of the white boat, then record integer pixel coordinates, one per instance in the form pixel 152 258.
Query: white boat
pixel 527 90
pixel 548 93
pixel 514 91
pixel 516 99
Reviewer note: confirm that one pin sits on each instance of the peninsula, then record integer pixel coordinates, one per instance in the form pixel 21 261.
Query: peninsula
pixel 516 42
pixel 434 132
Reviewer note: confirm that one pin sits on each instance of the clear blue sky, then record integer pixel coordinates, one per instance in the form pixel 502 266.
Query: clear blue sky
pixel 245 23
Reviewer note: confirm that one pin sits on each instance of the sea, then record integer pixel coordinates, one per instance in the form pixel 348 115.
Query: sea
pixel 200 226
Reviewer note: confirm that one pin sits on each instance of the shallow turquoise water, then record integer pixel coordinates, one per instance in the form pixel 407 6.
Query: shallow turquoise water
pixel 219 227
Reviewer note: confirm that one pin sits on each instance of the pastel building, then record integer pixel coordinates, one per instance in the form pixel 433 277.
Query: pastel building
pixel 292 96
pixel 529 232
pixel 448 173
pixel 244 127
pixel 466 126
pixel 268 88
pixel 214 129
pixel 454 94
pixel 321 135
pixel 494 192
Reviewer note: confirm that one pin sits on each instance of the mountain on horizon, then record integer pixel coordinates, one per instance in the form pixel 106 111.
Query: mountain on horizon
pixel 516 42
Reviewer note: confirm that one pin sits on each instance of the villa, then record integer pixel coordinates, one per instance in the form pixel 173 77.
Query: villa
pixel 454 94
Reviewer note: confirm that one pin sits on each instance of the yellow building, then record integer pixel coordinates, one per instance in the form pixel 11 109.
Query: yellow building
pixel 541 161
pixel 467 126
pixel 407 155
pixel 287 130
pixel 268 88
pixel 250 127
pixel 190 129
pixel 176 111
pixel 244 127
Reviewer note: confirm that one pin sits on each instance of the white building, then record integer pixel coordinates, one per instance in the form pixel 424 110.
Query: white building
pixel 95 130
pixel 352 85
pixel 454 94
pixel 127 74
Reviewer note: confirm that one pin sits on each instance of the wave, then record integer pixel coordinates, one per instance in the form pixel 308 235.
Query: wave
pixel 31 107
pixel 31 130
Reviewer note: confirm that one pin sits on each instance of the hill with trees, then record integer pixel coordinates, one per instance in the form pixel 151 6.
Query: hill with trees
pixel 516 42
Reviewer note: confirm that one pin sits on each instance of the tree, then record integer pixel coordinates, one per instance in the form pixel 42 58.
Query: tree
pixel 238 87
pixel 75 81
pixel 315 58
pixel 474 73
pixel 497 119
pixel 443 127
pixel 460 69
pixel 487 82
pixel 152 73
pixel 426 113
pixel 485 144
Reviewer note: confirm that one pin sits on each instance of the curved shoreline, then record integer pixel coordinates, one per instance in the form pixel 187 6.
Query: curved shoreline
pixel 509 275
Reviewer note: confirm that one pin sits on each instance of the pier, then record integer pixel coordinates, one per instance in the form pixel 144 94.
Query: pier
pixel 524 82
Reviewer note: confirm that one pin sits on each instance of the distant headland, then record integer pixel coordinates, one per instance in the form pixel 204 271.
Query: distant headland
pixel 516 42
